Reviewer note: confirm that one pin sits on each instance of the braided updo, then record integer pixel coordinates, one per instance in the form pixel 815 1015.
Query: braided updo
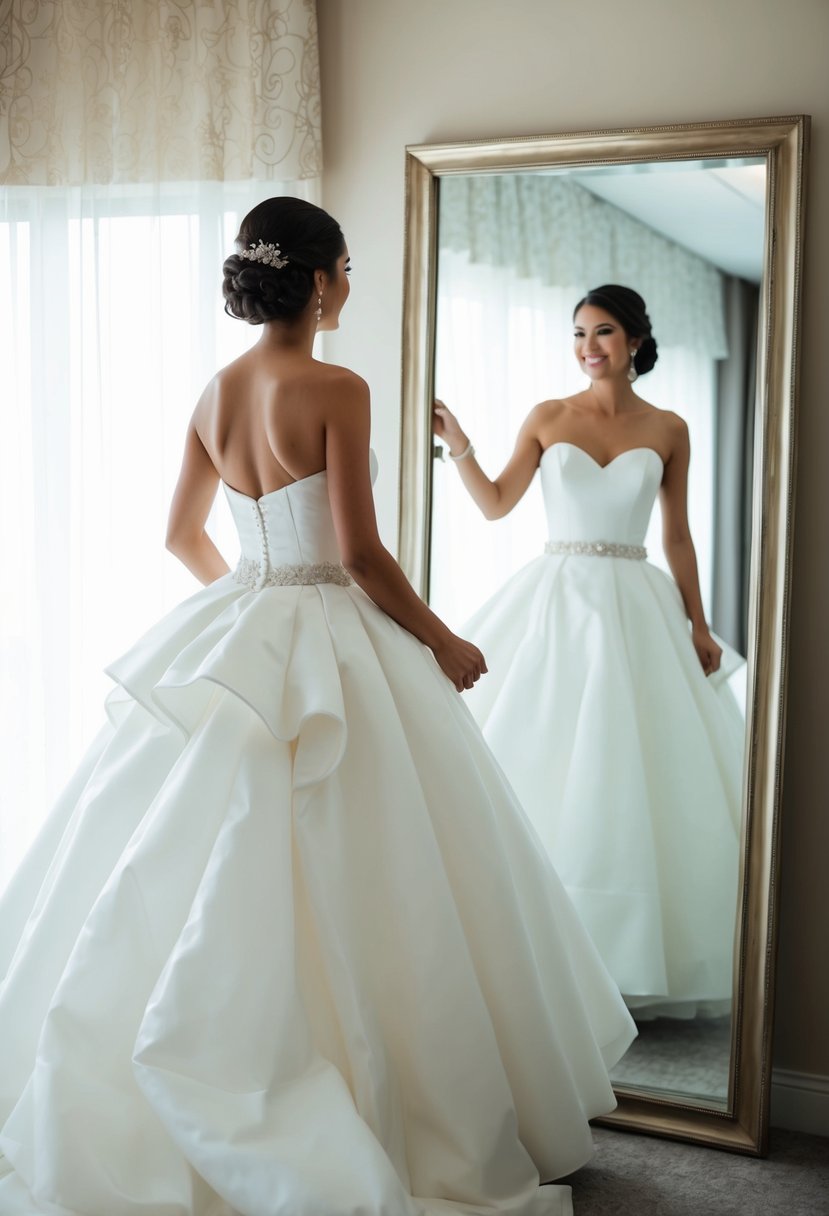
pixel 628 307
pixel 308 239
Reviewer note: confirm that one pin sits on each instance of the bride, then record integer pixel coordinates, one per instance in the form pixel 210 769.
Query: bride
pixel 606 702
pixel 287 945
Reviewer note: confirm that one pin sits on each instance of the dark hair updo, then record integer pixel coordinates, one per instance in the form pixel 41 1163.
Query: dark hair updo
pixel 628 307
pixel 308 240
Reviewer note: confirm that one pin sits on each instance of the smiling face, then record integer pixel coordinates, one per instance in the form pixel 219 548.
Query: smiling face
pixel 335 291
pixel 600 343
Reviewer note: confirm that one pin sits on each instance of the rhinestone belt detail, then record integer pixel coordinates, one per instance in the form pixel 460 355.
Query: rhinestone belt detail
pixel 250 574
pixel 596 548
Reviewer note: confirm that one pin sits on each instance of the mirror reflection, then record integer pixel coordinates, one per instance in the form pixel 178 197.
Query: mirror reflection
pixel 609 587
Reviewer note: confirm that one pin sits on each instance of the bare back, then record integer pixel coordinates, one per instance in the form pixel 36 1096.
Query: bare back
pixel 262 419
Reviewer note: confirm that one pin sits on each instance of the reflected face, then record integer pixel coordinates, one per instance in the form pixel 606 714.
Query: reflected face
pixel 600 343
pixel 335 293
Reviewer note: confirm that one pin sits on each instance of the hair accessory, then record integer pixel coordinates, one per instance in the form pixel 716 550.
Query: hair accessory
pixel 270 255
pixel 632 372
pixel 467 451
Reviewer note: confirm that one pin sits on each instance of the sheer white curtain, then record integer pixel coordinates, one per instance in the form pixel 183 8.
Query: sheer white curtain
pixel 132 140
pixel 111 322
pixel 505 343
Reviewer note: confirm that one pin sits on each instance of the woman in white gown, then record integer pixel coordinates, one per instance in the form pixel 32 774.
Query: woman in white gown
pixel 287 945
pixel 611 718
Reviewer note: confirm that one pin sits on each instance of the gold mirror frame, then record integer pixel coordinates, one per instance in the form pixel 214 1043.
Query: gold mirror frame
pixel 782 142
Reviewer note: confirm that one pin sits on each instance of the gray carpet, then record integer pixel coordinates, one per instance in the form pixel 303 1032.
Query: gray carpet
pixel 689 1058
pixel 635 1175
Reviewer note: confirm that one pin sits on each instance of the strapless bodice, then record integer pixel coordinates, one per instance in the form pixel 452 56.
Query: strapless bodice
pixel 291 526
pixel 288 535
pixel 586 501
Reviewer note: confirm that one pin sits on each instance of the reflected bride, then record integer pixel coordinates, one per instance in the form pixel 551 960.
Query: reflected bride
pixel 612 719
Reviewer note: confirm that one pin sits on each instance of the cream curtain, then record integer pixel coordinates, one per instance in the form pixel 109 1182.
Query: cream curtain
pixel 158 91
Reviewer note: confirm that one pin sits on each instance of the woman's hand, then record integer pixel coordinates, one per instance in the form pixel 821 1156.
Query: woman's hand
pixel 708 652
pixel 447 428
pixel 462 662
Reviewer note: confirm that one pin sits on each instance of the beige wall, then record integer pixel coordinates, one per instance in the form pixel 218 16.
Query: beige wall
pixel 397 72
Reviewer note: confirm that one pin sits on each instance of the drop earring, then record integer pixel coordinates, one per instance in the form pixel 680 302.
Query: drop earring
pixel 318 313
pixel 632 372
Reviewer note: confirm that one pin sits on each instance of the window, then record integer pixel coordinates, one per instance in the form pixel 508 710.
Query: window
pixel 111 322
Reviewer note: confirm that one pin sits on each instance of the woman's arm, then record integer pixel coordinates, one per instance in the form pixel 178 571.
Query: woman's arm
pixel 494 498
pixel 192 500
pixel 372 567
pixel 679 548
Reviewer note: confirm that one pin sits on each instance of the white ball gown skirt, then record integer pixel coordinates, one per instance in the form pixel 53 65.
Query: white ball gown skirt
pixel 628 762
pixel 287 946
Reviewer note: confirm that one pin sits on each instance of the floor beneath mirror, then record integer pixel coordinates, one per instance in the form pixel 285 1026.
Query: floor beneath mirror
pixel 643 1176
pixel 679 1057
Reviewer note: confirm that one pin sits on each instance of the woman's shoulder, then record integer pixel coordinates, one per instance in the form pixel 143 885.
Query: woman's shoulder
pixel 669 433
pixel 667 420
pixel 550 409
pixel 225 380
pixel 340 377
pixel 325 383
pixel 671 422
pixel 338 390
pixel 553 410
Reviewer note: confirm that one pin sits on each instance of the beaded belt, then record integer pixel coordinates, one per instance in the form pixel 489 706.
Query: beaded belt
pixel 596 548
pixel 252 575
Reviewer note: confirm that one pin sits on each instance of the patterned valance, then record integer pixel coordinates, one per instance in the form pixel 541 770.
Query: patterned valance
pixel 104 91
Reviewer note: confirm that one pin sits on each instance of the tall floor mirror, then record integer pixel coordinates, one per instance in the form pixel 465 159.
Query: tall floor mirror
pixel 504 236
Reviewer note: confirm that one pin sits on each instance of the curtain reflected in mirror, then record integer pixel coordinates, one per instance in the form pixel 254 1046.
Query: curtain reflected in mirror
pixel 516 252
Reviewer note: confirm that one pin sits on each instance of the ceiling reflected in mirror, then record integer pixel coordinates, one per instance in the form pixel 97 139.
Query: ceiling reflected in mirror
pixel 715 211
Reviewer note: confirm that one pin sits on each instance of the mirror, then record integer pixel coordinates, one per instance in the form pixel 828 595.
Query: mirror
pixel 653 789
pixel 515 253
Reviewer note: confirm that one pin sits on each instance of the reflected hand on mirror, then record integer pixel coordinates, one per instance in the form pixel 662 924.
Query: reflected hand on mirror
pixel 447 428
pixel 708 652
pixel 460 660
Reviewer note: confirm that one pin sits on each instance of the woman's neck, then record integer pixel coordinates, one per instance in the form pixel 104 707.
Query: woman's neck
pixel 612 397
pixel 295 338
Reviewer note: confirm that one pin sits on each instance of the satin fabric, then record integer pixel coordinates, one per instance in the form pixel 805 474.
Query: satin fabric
pixel 287 945
pixel 626 758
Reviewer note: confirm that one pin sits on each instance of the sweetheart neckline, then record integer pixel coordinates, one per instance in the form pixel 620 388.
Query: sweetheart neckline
pixel 270 493
pixel 565 443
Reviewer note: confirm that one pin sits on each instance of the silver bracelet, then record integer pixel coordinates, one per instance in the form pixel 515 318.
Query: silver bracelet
pixel 467 451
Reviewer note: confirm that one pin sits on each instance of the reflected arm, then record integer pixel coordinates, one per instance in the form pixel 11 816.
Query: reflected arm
pixel 679 547
pixel 495 498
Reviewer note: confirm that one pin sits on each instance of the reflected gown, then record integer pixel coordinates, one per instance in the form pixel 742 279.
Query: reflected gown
pixel 626 758
pixel 287 945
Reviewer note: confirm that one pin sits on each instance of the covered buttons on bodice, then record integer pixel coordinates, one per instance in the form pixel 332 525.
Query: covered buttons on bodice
pixel 287 536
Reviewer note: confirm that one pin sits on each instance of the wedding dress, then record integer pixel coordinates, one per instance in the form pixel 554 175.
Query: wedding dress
pixel 626 758
pixel 287 946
